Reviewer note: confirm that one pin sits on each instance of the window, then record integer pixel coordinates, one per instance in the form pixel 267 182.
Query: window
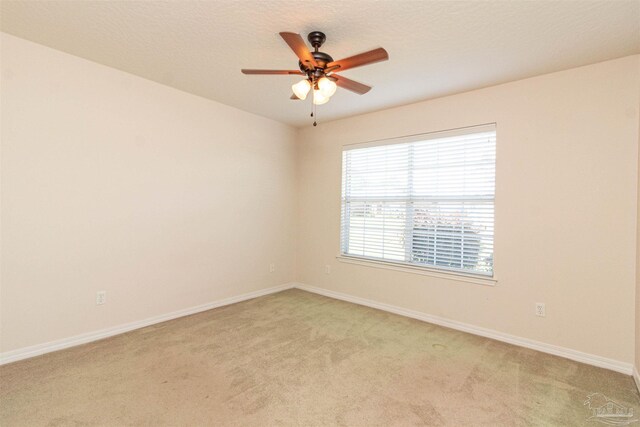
pixel 425 200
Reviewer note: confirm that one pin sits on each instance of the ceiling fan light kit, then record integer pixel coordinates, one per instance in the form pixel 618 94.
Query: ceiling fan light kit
pixel 319 98
pixel 327 86
pixel 319 69
pixel 301 89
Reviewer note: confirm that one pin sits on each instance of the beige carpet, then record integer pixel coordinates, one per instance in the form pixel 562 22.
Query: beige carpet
pixel 295 358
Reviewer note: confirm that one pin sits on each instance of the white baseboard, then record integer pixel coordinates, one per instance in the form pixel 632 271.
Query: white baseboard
pixel 636 378
pixel 591 359
pixel 602 362
pixel 36 350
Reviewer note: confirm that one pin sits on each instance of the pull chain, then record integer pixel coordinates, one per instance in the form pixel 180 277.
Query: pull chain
pixel 314 112
pixel 315 115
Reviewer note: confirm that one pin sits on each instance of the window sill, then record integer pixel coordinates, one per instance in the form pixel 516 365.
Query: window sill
pixel 425 271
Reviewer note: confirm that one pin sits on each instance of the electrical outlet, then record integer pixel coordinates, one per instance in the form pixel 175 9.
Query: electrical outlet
pixel 101 297
pixel 540 309
pixel 272 268
pixel 327 269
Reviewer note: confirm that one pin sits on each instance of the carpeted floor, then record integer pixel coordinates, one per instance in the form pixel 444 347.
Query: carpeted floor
pixel 296 358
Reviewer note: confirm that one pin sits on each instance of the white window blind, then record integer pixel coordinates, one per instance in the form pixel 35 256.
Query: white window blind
pixel 426 200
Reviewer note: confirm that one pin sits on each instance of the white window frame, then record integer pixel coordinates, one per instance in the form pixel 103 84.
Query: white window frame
pixel 415 268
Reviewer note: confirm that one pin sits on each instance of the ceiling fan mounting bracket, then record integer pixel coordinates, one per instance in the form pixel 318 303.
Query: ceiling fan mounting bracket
pixel 316 38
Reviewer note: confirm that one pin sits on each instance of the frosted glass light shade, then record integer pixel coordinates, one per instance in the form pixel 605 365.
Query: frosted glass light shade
pixel 327 87
pixel 319 98
pixel 301 89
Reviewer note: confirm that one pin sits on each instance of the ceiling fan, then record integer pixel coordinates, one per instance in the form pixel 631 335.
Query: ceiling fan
pixel 320 68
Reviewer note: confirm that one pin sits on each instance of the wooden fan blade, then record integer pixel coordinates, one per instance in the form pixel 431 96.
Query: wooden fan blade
pixel 351 85
pixel 294 97
pixel 291 72
pixel 375 55
pixel 299 47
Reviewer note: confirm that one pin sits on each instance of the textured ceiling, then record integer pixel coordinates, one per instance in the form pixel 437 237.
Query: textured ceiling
pixel 435 47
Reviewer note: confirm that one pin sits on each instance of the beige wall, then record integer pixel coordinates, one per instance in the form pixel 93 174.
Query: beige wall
pixel 112 182
pixel 565 208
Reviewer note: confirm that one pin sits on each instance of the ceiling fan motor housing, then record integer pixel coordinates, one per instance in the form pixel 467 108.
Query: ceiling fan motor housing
pixel 317 38
pixel 322 59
